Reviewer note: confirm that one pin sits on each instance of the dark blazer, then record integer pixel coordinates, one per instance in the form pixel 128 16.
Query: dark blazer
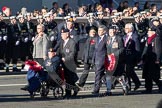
pixel 52 65
pixel 100 51
pixel 68 52
pixel 151 54
pixel 89 48
pixel 132 49
pixel 117 47
pixel 74 35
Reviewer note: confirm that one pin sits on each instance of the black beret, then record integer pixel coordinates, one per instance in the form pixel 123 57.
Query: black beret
pixel 51 50
pixel 64 30
pixel 151 29
pixel 112 27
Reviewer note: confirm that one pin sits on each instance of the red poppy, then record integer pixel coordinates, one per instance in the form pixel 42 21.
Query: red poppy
pixel 92 42
pixel 110 62
pixel 4 8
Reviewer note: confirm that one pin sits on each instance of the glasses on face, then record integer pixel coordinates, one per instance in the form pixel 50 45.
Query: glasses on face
pixel 38 28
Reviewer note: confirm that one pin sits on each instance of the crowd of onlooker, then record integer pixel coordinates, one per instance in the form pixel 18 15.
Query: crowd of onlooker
pixel 123 9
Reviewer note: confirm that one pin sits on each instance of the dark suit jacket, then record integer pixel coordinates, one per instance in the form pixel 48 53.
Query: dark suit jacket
pixel 74 35
pixel 136 42
pixel 151 54
pixel 52 65
pixel 68 52
pixel 132 49
pixel 89 48
pixel 100 51
pixel 117 47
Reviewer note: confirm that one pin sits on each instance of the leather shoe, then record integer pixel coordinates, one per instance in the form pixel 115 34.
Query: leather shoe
pixel 24 88
pixel 108 93
pixel 95 93
pixel 147 92
pixel 16 70
pixel 7 69
pixel 136 87
pixel 76 91
pixel 66 96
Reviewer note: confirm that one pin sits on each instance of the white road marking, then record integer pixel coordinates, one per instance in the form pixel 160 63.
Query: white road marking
pixel 4 76
pixel 11 85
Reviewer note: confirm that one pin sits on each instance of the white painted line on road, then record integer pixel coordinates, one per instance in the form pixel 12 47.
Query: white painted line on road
pixel 4 76
pixel 10 85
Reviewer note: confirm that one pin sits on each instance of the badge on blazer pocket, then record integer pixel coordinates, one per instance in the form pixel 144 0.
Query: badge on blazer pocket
pixel 67 50
pixel 115 45
pixel 153 44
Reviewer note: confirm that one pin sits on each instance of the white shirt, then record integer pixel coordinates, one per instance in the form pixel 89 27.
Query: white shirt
pixel 101 38
pixel 65 42
pixel 129 36
pixel 113 37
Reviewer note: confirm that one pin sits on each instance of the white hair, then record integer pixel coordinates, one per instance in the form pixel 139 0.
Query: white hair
pixel 41 25
pixel 130 26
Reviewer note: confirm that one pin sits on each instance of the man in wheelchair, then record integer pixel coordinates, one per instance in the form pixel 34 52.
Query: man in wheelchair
pixel 40 79
pixel 52 66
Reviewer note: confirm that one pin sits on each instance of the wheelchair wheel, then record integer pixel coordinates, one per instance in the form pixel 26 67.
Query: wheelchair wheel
pixel 44 90
pixel 58 92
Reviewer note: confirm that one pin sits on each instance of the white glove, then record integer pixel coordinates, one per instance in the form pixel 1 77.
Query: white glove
pixel 26 39
pixel 142 40
pixel 26 67
pixel 17 43
pixel 33 38
pixel 71 36
pixel 52 38
pixel 4 38
pixel 0 38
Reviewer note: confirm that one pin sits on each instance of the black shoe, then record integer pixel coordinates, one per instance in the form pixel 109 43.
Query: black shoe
pixel 7 69
pixel 95 93
pixel 16 70
pixel 1 67
pixel 32 95
pixel 136 87
pixel 22 66
pixel 147 92
pixel 108 93
pixel 160 90
pixel 76 90
pixel 25 88
pixel 75 93
pixel 66 96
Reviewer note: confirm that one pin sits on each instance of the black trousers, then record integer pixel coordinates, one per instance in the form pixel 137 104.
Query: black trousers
pixel 14 60
pixel 99 76
pixel 70 78
pixel 84 75
pixel 130 73
pixel 149 83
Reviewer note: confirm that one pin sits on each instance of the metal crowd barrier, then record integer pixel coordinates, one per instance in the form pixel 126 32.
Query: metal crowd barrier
pixel 79 19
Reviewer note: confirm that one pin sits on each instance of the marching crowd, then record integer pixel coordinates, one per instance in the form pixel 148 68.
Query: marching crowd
pixel 112 48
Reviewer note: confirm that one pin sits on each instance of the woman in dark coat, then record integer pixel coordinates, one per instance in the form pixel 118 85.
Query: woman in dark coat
pixel 151 58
